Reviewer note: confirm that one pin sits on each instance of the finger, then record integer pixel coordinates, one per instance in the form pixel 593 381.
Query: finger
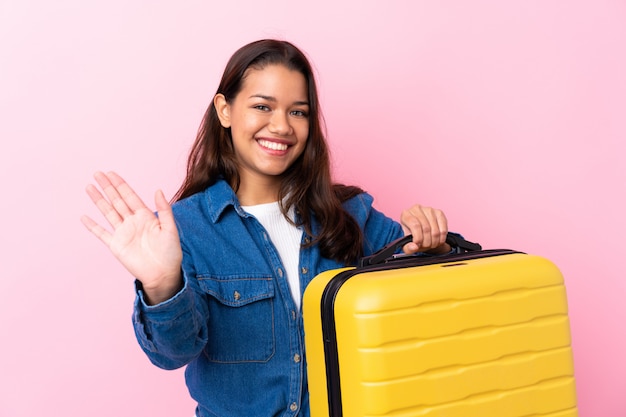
pixel 128 195
pixel 99 231
pixel 109 213
pixel 411 227
pixel 112 193
pixel 421 225
pixel 442 224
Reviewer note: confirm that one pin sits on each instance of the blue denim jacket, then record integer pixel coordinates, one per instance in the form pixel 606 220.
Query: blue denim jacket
pixel 234 323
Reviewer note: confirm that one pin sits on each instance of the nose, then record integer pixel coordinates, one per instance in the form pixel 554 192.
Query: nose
pixel 279 124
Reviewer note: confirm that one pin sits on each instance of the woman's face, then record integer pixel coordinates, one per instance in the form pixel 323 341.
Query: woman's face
pixel 269 122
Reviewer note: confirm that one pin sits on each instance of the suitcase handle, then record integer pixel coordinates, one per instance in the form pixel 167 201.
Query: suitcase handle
pixel 457 243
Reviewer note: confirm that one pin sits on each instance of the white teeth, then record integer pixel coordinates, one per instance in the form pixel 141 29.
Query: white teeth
pixel 273 145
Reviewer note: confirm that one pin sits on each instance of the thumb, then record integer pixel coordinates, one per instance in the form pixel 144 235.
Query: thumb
pixel 166 216
pixel 410 248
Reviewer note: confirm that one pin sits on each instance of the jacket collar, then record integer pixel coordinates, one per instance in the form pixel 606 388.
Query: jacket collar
pixel 219 197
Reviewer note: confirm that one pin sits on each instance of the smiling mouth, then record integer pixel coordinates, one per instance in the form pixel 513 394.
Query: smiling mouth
pixel 275 146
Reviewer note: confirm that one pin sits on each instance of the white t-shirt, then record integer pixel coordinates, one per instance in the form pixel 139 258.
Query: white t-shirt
pixel 285 237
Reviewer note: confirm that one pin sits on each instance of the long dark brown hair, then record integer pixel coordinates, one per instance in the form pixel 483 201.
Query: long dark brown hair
pixel 307 184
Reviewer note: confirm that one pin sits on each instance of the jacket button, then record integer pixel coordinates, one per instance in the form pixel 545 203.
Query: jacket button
pixel 305 269
pixel 236 295
pixel 293 407
pixel 296 358
pixel 280 272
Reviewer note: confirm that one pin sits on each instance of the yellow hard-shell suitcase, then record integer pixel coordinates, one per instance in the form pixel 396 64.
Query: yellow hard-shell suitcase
pixel 476 334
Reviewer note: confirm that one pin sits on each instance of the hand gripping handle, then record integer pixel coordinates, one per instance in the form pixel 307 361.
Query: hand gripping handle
pixel 454 240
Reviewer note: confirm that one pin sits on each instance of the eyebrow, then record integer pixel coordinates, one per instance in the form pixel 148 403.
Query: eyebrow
pixel 273 99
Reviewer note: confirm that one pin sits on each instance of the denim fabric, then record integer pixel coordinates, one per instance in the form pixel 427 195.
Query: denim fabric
pixel 235 324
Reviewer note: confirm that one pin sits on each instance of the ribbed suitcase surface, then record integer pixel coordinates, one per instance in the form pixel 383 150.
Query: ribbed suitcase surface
pixel 479 337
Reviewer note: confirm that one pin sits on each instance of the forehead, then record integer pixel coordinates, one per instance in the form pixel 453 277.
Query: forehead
pixel 274 79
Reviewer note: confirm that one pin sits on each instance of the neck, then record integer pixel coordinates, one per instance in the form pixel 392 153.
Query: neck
pixel 251 193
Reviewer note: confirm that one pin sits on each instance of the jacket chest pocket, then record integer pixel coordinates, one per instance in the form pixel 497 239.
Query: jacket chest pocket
pixel 241 319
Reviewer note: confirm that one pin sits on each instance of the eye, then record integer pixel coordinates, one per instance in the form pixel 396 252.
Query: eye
pixel 299 113
pixel 261 107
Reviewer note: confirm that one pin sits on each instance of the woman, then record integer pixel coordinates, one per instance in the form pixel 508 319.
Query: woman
pixel 220 273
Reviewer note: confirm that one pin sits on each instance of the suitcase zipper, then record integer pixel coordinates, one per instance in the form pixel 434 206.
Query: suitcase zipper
pixel 331 355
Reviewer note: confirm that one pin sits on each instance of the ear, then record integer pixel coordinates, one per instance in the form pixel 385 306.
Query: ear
pixel 223 109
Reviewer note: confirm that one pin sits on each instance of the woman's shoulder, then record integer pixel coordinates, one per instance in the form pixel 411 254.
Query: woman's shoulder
pixel 213 199
pixel 359 203
pixel 346 193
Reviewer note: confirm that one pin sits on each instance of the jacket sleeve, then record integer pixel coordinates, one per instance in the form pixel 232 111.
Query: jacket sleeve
pixel 378 229
pixel 174 332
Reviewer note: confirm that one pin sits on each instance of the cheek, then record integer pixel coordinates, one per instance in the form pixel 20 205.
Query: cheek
pixel 243 127
pixel 302 131
pixel 302 144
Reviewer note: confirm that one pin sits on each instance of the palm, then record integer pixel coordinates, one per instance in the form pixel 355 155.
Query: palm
pixel 145 249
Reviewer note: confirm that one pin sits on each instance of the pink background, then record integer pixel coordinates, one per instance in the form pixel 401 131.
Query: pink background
pixel 510 116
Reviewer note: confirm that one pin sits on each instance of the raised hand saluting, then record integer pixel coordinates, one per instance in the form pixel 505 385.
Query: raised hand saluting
pixel 146 244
